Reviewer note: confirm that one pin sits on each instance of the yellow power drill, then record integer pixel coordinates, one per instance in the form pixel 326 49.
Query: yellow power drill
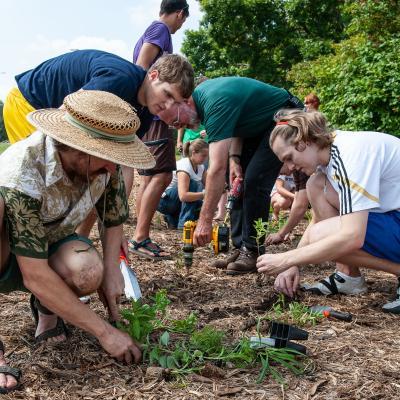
pixel 219 240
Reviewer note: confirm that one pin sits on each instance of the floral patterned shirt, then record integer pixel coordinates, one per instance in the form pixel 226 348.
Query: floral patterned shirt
pixel 42 205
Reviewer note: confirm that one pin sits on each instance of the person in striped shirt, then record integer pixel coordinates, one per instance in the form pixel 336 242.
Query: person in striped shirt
pixel 354 191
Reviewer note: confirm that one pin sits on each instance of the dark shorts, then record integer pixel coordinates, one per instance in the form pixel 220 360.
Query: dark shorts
pixel 11 278
pixel 382 238
pixel 163 148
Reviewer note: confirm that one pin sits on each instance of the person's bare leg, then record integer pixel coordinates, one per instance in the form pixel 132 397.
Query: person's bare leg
pixel 324 202
pixel 6 381
pixel 144 182
pixel 356 259
pixel 149 202
pixel 128 174
pixel 81 267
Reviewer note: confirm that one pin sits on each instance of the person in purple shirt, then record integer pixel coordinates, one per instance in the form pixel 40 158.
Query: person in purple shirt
pixel 155 42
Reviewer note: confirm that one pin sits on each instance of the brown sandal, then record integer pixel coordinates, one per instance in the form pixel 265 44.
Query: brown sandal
pixel 7 370
pixel 58 330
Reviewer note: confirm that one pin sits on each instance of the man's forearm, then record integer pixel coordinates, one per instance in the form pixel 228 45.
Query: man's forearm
pixel 215 184
pixel 111 242
pixel 54 294
pixel 299 208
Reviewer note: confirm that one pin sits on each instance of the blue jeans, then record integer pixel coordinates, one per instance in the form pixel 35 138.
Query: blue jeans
pixel 177 212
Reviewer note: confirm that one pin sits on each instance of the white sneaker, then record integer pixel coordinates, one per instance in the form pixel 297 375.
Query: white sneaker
pixel 394 306
pixel 336 283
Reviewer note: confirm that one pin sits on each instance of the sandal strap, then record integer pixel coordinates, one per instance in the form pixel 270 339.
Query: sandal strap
pixel 156 250
pixel 7 370
pixel 35 303
pixel 59 329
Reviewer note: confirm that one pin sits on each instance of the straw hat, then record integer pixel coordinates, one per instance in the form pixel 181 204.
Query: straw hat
pixel 97 123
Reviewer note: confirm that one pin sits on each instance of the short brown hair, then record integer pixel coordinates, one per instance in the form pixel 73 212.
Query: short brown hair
pixel 295 126
pixel 173 68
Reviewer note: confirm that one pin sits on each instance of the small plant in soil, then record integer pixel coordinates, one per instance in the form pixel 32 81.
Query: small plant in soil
pixel 179 347
pixel 262 229
pixel 293 313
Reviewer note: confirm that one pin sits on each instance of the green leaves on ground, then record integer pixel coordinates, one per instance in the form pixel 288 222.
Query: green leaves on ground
pixel 292 313
pixel 178 346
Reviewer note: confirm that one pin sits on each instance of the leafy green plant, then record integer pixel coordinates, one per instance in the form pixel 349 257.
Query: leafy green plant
pixel 143 319
pixel 261 228
pixel 177 346
pixel 293 312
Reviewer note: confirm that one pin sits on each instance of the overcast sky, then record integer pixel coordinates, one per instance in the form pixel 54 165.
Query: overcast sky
pixel 33 31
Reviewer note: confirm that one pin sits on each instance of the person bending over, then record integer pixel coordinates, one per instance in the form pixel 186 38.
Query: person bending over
pixel 49 183
pixel 355 173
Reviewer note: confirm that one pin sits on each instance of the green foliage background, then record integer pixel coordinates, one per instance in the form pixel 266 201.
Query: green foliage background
pixel 345 51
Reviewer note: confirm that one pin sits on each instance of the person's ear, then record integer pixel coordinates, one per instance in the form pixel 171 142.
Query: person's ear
pixel 301 146
pixel 153 75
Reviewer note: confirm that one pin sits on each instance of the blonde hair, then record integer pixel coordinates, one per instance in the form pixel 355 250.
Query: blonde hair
pixel 295 126
pixel 196 146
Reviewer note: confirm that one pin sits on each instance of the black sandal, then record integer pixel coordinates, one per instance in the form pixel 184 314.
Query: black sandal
pixel 59 329
pixel 147 244
pixel 7 370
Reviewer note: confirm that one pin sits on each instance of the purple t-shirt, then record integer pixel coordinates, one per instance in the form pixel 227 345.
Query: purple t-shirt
pixel 159 35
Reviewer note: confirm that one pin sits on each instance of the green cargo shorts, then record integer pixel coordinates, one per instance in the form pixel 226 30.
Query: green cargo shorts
pixel 11 279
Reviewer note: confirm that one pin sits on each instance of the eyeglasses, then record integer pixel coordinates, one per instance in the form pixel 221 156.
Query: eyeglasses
pixel 177 122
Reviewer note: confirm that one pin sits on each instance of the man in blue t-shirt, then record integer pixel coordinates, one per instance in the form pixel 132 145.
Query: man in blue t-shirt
pixel 47 85
pixel 155 42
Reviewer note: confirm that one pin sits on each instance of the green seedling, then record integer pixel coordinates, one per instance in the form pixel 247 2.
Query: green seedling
pixel 292 313
pixel 261 228
pixel 176 344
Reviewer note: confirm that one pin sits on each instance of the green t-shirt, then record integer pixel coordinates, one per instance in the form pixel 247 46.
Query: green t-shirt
pixel 192 134
pixel 237 107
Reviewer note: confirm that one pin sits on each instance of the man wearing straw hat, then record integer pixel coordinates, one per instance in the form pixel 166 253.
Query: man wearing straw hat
pixel 48 184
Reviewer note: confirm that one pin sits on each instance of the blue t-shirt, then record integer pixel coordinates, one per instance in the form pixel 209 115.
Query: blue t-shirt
pixel 46 85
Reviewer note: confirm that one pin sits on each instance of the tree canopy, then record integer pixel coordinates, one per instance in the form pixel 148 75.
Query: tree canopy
pixel 345 51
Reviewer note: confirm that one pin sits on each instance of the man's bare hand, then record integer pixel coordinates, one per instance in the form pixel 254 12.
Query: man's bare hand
pixel 202 234
pixel 287 282
pixel 272 264
pixel 120 345
pixel 274 238
pixel 111 291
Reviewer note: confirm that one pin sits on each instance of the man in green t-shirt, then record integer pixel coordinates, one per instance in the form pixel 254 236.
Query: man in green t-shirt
pixel 238 115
